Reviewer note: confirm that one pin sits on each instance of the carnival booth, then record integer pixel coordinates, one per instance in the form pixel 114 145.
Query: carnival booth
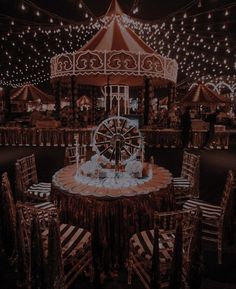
pixel 28 98
pixel 204 101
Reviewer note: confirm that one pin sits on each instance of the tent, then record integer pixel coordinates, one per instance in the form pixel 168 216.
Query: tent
pixel 202 95
pixel 84 102
pixel 115 55
pixel 30 93
pixel 29 97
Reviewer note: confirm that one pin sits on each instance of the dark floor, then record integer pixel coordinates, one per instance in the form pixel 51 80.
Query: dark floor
pixel 214 166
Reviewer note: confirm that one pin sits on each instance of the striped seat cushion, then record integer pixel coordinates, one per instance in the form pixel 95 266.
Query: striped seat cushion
pixel 181 182
pixel 74 241
pixel 208 210
pixel 142 244
pixel 41 190
pixel 43 211
pixel 45 206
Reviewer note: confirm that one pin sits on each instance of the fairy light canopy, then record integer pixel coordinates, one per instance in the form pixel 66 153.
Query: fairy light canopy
pixel 201 39
pixel 115 55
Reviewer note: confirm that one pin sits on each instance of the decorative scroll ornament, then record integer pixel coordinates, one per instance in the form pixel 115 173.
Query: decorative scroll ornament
pixel 115 64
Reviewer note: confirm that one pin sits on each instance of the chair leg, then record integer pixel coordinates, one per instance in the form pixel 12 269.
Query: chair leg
pixel 91 272
pixel 130 269
pixel 219 248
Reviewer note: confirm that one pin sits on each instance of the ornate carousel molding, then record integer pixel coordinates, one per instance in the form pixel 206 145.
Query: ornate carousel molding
pixel 114 63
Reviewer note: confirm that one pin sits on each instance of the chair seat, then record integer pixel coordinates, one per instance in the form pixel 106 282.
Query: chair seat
pixel 41 190
pixel 45 206
pixel 208 210
pixel 181 182
pixel 43 211
pixel 75 241
pixel 142 244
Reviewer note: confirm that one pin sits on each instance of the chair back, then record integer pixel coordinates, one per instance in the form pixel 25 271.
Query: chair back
pixel 26 173
pixel 8 215
pixel 23 253
pixel 7 197
pixel 70 154
pixel 167 222
pixel 228 188
pixel 190 170
pixel 43 215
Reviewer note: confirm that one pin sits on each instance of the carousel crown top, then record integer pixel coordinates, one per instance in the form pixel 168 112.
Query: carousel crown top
pixel 116 52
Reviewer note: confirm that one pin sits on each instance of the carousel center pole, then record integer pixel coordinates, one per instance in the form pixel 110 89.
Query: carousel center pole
pixel 73 97
pixel 58 99
pixel 108 96
pixel 146 100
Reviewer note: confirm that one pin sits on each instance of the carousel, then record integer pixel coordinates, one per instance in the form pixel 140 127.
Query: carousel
pixel 115 59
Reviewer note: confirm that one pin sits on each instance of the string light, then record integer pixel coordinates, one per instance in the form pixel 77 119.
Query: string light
pixel 174 37
pixel 22 6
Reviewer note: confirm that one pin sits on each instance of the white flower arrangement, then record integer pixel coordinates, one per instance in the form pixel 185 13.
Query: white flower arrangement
pixel 90 167
pixel 134 168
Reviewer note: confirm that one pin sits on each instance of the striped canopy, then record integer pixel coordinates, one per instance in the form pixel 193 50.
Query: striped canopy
pixel 115 55
pixel 203 95
pixel 84 101
pixel 28 93
pixel 163 101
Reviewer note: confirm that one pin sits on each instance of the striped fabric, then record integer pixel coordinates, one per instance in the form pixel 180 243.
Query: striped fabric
pixel 42 210
pixel 74 241
pixel 41 190
pixel 208 210
pixel 181 182
pixel 142 244
pixel 45 206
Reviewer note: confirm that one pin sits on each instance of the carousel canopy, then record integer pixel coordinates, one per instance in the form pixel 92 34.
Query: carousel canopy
pixel 202 95
pixel 30 93
pixel 115 55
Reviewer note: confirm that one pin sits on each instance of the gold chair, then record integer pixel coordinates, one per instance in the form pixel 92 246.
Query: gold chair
pixel 214 216
pixel 27 185
pixel 70 154
pixel 75 243
pixel 8 211
pixel 187 185
pixel 141 246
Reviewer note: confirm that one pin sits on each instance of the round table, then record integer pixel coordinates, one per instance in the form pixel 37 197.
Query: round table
pixel 112 215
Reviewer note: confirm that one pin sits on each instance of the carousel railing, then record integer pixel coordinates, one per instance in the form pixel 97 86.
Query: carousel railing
pixel 166 138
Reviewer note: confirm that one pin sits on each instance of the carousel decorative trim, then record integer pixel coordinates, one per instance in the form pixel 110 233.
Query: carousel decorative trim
pixel 121 62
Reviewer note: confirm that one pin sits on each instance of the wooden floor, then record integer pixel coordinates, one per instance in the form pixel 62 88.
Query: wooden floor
pixel 214 166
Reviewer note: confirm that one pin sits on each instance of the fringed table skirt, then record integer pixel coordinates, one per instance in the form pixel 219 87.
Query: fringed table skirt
pixel 112 215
